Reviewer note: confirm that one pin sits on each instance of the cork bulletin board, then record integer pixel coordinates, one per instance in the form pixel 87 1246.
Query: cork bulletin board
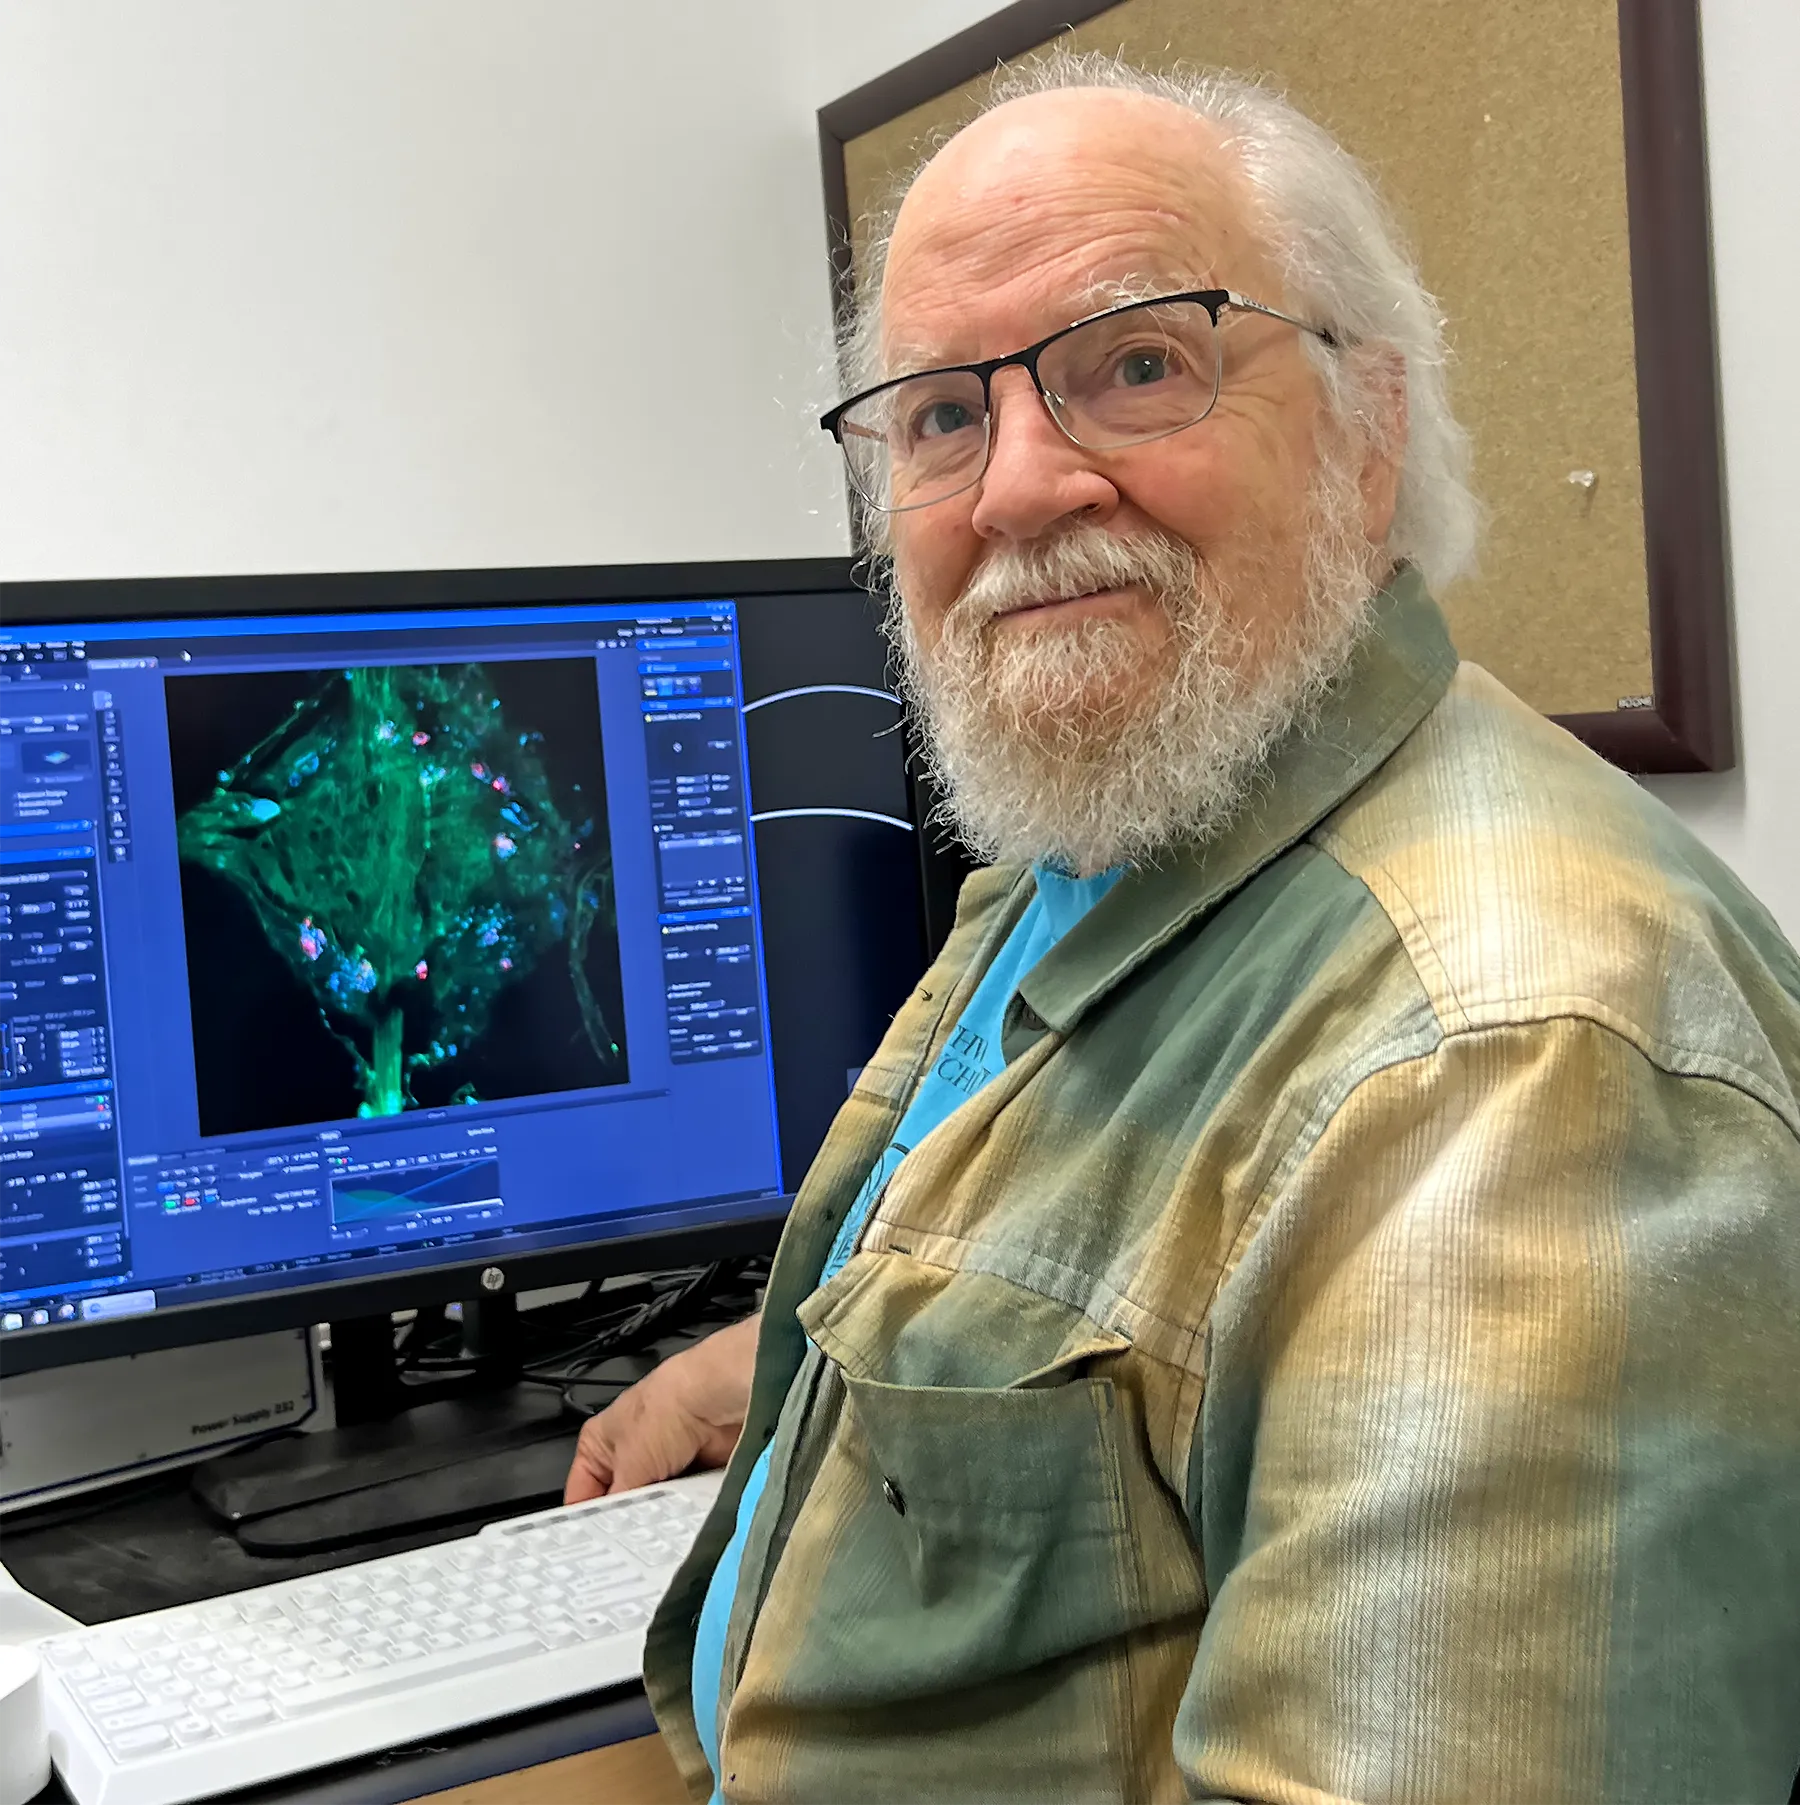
pixel 1545 159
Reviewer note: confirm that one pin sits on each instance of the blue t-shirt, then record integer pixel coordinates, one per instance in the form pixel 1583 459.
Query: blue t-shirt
pixel 970 1058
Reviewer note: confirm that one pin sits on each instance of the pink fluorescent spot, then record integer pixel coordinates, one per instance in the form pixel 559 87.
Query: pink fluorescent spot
pixel 506 965
pixel 421 739
pixel 312 942
pixel 478 771
pixel 421 969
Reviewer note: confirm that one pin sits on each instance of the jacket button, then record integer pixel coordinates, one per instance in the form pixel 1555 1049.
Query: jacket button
pixel 891 1492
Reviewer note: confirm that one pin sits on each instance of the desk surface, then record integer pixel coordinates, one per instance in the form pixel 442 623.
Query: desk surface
pixel 638 1772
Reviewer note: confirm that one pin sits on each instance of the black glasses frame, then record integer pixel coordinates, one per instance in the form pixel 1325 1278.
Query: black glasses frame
pixel 1214 300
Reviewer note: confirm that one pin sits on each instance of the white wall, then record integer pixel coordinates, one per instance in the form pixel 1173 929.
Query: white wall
pixel 342 284
pixel 1751 816
pixel 329 284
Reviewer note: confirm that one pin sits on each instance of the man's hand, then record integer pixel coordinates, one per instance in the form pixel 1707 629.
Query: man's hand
pixel 685 1413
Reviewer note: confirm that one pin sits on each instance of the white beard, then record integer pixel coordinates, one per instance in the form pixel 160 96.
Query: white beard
pixel 1047 746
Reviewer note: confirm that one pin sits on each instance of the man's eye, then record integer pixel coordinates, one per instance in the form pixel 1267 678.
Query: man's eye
pixel 1137 369
pixel 941 418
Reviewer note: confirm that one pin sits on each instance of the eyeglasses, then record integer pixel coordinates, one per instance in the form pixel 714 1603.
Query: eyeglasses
pixel 1122 377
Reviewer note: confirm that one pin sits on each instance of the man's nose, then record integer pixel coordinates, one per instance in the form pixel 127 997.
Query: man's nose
pixel 1036 475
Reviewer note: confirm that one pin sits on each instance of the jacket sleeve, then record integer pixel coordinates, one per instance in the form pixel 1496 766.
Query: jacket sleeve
pixel 1497 1475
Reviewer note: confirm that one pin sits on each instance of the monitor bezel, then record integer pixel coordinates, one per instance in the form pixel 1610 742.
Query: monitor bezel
pixel 54 603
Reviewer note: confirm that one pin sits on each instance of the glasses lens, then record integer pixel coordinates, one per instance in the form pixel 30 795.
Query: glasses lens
pixel 917 441
pixel 1126 377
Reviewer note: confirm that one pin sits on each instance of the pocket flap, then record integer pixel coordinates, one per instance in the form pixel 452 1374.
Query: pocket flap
pixel 890 1318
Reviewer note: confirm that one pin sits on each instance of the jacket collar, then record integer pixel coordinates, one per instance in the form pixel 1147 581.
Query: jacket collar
pixel 1400 669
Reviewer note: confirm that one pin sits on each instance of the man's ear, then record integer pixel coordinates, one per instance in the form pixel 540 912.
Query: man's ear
pixel 1381 419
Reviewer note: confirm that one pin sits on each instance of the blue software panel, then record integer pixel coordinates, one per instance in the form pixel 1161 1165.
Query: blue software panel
pixel 369 942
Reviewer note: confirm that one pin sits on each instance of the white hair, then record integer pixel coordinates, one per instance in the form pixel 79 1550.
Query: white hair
pixel 1344 264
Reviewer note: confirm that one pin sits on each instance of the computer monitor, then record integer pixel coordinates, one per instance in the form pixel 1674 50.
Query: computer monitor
pixel 373 941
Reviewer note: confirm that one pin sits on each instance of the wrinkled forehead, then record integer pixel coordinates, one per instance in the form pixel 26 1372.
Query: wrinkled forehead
pixel 1051 207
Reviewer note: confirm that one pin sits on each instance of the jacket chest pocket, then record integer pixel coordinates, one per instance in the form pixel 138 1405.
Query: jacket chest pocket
pixel 995 1522
pixel 978 1568
pixel 943 1620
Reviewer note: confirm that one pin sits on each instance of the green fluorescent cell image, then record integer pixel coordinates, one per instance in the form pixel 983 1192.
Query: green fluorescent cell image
pixel 396 888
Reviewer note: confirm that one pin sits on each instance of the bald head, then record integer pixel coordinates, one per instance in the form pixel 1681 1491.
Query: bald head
pixel 1056 199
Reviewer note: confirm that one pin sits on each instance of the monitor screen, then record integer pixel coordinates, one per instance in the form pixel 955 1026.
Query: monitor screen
pixel 349 945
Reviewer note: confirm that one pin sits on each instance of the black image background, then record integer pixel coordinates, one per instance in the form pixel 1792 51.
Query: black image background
pixel 263 1058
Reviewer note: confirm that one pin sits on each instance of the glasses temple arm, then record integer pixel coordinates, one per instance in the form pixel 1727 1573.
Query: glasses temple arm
pixel 1287 319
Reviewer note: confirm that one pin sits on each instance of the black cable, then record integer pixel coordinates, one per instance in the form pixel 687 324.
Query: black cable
pixel 569 1349
pixel 629 1335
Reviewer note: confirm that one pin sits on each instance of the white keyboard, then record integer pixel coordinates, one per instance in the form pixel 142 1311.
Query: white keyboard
pixel 179 1705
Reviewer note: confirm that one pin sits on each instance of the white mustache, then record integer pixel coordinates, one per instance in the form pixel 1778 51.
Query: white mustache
pixel 1081 560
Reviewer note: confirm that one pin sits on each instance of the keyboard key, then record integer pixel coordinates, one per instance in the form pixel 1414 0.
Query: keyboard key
pixel 129 1745
pixel 192 1728
pixel 244 1715
pixel 104 1687
pixel 156 1713
pixel 113 1704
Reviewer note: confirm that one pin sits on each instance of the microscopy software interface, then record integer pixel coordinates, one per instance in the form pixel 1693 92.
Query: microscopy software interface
pixel 332 945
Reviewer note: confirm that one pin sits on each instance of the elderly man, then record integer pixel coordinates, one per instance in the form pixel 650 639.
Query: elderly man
pixel 1305 1302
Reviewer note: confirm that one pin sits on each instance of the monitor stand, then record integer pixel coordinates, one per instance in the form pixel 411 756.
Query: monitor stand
pixel 406 1458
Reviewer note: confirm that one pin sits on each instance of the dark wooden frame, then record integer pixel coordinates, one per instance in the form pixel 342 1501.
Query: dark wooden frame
pixel 1689 724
